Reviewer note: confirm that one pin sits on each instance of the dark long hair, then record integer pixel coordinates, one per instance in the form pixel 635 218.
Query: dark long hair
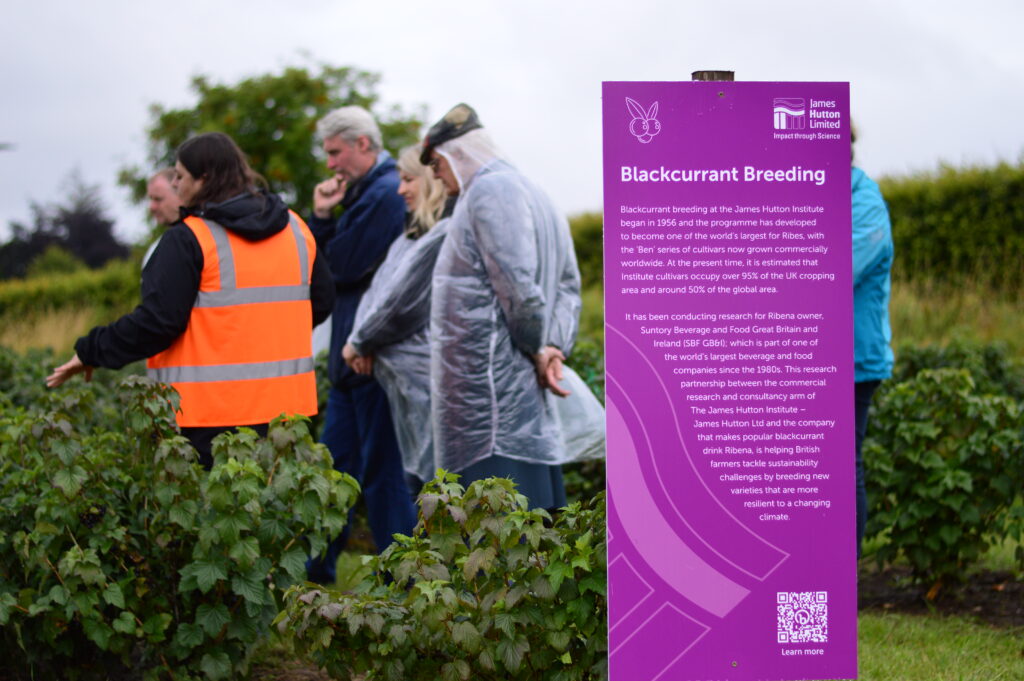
pixel 214 158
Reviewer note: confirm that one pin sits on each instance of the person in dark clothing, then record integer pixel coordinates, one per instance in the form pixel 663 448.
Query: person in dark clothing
pixel 391 332
pixel 357 424
pixel 229 299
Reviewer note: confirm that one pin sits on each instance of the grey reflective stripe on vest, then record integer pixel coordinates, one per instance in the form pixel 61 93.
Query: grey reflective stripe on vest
pixel 232 372
pixel 225 259
pixel 230 294
pixel 300 244
pixel 252 294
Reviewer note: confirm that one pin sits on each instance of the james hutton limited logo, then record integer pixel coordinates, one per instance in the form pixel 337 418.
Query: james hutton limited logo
pixel 644 125
pixel 790 113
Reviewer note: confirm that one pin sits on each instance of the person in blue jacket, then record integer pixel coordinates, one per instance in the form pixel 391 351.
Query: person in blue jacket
pixel 873 356
pixel 357 422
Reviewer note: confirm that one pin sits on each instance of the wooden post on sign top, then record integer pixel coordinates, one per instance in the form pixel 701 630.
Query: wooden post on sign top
pixel 712 75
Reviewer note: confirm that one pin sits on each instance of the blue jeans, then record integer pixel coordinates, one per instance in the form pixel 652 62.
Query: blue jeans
pixel 862 393
pixel 358 431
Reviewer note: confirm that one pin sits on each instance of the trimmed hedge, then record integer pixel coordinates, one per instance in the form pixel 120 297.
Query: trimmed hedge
pixel 112 290
pixel 957 224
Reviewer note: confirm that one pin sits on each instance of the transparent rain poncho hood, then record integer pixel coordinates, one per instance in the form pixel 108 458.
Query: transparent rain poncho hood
pixel 468 154
pixel 505 285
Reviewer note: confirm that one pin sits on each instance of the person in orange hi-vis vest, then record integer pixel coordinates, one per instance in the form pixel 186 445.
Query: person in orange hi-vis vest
pixel 229 299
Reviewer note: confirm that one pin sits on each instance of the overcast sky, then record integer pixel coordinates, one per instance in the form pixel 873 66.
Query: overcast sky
pixel 931 82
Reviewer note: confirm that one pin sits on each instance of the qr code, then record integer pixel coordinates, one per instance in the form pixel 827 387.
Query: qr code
pixel 802 616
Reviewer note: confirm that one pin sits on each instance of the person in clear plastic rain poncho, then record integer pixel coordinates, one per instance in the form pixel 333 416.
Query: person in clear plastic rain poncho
pixel 390 336
pixel 504 314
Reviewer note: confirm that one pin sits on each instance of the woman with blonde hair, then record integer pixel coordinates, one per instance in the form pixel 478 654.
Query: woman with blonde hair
pixel 390 337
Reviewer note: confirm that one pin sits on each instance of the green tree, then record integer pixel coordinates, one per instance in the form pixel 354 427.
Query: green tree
pixel 54 260
pixel 273 118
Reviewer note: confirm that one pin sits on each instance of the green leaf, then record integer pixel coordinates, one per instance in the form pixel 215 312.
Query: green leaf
pixel 950 534
pixel 543 588
pixel 181 515
pixel 512 651
pixel 479 560
pixel 447 544
pixel 216 665
pixel 97 631
pixel 486 659
pixel 125 623
pixel 466 635
pixel 245 551
pixel 70 480
pixel 251 588
pixel 231 527
pixel 559 640
pixel 165 493
pixel 212 618
pixel 155 626
pixel 294 563
pixel 458 670
pixel 273 529
pixel 557 572
pixel 376 622
pixel 506 623
pixel 206 573
pixel 244 629
pixel 596 583
pixel 189 635
pixel 114 596
pixel 428 505
pixel 59 595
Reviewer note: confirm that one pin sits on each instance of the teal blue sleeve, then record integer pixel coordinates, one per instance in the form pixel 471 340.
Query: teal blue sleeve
pixel 872 232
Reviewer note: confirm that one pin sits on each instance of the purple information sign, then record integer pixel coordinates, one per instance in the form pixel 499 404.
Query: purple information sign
pixel 729 352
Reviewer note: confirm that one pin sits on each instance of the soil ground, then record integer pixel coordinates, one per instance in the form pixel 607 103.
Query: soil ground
pixel 996 598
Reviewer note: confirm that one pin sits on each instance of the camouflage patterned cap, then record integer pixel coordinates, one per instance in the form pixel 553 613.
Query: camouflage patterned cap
pixel 456 123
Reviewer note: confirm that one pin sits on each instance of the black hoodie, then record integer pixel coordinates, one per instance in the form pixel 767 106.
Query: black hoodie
pixel 170 283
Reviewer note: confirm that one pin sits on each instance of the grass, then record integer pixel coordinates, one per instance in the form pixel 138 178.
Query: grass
pixel 927 312
pixel 897 647
pixel 56 329
pixel 350 571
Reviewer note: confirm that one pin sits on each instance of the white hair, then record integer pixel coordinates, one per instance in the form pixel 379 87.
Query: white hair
pixel 350 123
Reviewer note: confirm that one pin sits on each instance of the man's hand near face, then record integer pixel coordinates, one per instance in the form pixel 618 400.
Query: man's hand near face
pixel 327 195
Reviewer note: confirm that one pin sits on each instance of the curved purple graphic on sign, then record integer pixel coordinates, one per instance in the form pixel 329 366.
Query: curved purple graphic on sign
pixel 702 512
pixel 668 555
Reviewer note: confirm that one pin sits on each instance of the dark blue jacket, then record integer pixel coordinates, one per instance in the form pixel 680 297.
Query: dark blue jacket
pixel 355 245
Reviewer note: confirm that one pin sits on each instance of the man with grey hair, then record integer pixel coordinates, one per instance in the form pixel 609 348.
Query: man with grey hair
pixel 357 421
pixel 164 204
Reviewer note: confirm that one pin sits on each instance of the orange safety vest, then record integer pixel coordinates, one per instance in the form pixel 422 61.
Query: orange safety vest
pixel 246 355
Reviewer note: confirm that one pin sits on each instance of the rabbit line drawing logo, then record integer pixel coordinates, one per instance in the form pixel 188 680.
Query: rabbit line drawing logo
pixel 644 125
